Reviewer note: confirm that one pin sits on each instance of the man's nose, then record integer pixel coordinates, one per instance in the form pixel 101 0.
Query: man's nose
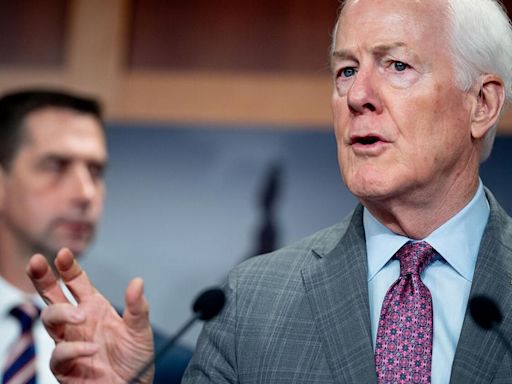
pixel 363 95
pixel 82 183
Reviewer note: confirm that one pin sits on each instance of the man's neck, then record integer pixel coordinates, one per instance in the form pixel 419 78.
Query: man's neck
pixel 418 215
pixel 13 263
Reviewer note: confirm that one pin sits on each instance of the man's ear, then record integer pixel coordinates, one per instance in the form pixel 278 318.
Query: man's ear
pixel 490 99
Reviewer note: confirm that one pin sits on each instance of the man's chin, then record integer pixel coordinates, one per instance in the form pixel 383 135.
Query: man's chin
pixel 370 191
pixel 76 247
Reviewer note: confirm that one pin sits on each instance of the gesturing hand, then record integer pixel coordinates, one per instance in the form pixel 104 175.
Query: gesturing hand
pixel 93 343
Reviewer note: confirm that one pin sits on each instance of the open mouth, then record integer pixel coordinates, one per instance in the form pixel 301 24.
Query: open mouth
pixel 366 140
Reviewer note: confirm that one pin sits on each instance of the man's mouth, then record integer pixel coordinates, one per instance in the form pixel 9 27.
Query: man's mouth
pixel 366 140
pixel 77 227
pixel 368 145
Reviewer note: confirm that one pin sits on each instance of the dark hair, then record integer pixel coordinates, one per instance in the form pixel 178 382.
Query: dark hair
pixel 15 106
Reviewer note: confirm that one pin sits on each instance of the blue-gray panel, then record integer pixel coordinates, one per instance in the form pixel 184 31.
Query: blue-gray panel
pixel 183 204
pixel 496 172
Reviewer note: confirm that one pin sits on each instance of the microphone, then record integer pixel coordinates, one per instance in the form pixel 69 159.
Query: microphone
pixel 487 315
pixel 205 307
pixel 485 311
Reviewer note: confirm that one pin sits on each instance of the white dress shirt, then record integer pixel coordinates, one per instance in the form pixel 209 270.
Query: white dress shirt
pixel 448 278
pixel 10 329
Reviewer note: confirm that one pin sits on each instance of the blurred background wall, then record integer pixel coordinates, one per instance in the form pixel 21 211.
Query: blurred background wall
pixel 219 130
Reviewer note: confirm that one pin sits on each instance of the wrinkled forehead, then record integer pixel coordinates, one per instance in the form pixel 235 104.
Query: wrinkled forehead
pixel 412 19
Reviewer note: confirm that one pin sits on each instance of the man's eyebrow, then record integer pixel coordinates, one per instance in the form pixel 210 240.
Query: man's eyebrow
pixel 378 50
pixel 347 54
pixel 342 54
pixel 52 156
pixel 384 48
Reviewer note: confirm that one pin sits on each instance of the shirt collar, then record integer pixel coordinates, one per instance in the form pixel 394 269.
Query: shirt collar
pixel 12 296
pixel 457 240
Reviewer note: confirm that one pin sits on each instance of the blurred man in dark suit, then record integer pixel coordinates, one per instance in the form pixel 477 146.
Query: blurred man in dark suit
pixel 52 159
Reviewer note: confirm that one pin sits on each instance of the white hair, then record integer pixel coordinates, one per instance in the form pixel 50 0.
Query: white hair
pixel 481 36
pixel 481 43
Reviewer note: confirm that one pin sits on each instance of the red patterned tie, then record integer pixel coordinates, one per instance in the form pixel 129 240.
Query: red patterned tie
pixel 20 367
pixel 403 351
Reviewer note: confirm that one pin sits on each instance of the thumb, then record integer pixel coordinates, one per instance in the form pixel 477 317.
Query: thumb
pixel 136 313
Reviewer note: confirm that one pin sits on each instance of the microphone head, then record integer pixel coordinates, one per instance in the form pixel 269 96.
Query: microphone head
pixel 485 311
pixel 209 303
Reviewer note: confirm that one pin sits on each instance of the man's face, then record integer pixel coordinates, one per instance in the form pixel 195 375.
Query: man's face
pixel 402 126
pixel 53 191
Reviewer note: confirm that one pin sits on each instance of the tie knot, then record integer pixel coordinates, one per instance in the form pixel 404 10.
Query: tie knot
pixel 414 257
pixel 26 314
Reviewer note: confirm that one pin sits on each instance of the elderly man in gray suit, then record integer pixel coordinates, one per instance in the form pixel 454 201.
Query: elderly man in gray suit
pixel 381 297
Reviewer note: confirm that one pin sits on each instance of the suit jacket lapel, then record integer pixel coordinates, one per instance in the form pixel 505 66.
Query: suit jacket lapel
pixel 337 290
pixel 480 352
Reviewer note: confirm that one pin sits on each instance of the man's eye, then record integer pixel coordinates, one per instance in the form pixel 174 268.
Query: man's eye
pixel 400 66
pixel 347 72
pixel 54 165
pixel 96 171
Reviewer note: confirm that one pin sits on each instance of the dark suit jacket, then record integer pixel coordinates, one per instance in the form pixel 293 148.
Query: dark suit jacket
pixel 301 314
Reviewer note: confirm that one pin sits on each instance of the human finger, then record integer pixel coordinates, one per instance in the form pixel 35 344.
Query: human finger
pixel 56 317
pixel 73 275
pixel 65 355
pixel 45 282
pixel 136 313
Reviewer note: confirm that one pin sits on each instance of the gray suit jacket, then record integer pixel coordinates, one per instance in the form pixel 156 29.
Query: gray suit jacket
pixel 301 314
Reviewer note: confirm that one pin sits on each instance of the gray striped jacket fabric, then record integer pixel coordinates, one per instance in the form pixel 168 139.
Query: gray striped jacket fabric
pixel 301 314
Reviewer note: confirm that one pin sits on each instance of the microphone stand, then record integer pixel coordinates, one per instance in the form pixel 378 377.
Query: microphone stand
pixel 165 348
pixel 206 306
